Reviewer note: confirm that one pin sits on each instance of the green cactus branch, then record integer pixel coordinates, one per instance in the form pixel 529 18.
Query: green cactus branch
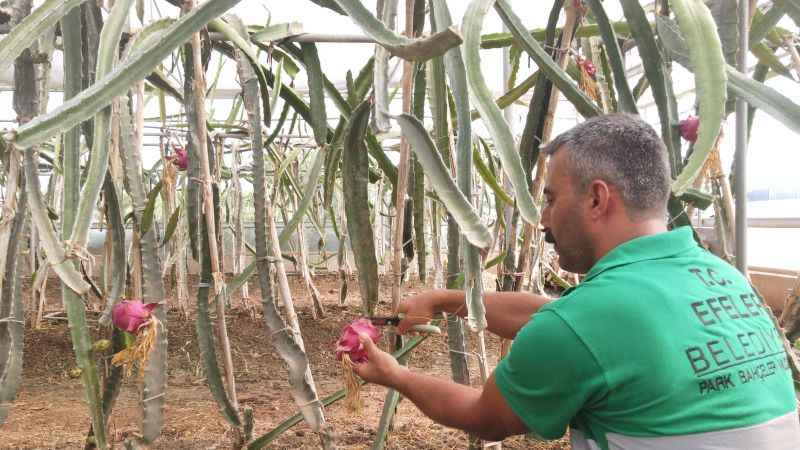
pixel 136 67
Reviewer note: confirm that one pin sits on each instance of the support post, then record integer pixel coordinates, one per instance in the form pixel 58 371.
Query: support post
pixel 740 172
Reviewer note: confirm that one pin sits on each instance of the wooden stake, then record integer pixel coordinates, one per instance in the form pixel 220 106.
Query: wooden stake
pixel 402 173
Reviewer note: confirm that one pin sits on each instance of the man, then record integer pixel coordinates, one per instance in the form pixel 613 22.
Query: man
pixel 662 346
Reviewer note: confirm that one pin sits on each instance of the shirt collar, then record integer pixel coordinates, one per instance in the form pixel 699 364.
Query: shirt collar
pixel 654 246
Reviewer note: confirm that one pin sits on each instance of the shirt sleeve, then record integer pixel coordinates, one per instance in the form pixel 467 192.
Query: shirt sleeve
pixel 549 375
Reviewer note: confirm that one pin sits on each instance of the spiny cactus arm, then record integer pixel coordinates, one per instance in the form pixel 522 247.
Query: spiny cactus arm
pixel 98 162
pixel 627 103
pixel 320 127
pixel 765 98
pixel 490 113
pixel 116 228
pixel 70 151
pixel 655 70
pixel 25 33
pixel 755 92
pixel 303 392
pixel 205 337
pixel 705 54
pixel 138 65
pixel 334 156
pixel 355 179
pixel 204 325
pixel 210 202
pixel 380 120
pixel 440 17
pixel 81 338
pixel 229 30
pixel 54 249
pixel 417 186
pixel 456 72
pixel 547 65
pixel 412 50
pixel 309 191
pixel 500 40
pixel 457 204
pixel 76 314
pixel 155 381
pixel 12 314
pixel 319 118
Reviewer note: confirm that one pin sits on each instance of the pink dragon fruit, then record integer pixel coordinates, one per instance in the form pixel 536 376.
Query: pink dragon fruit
pixel 180 158
pixel 588 67
pixel 132 315
pixel 350 344
pixel 689 128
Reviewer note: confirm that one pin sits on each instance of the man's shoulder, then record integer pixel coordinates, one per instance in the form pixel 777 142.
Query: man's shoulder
pixel 654 275
pixel 648 290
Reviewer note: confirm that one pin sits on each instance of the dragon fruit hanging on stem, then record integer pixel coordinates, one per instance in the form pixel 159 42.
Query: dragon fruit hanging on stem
pixel 689 127
pixel 136 318
pixel 180 158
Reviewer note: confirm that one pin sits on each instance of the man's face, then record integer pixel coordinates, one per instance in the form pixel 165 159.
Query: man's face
pixel 564 216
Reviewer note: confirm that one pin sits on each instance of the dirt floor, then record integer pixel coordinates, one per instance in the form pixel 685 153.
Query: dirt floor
pixel 50 413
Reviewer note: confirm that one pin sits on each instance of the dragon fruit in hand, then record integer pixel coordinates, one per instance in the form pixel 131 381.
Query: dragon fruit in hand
pixel 349 342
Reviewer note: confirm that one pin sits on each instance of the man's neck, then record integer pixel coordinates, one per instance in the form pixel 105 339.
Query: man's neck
pixel 625 230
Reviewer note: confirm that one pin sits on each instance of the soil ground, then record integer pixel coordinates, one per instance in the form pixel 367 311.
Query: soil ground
pixel 50 412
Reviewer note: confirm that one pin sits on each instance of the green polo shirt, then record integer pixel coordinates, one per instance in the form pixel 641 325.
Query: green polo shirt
pixel 662 338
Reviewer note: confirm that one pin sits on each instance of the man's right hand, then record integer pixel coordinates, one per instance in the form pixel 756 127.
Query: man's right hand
pixel 416 310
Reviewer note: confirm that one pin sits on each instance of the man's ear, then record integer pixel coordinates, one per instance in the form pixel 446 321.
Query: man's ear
pixel 599 198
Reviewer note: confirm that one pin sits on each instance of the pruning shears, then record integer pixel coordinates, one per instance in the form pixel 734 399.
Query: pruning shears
pixel 379 321
pixel 383 321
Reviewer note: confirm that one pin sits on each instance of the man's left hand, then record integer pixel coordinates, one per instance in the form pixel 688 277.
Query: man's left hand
pixel 380 367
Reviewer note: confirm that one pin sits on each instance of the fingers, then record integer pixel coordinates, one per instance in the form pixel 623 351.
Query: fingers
pixel 410 321
pixel 359 368
pixel 403 307
pixel 402 327
pixel 367 343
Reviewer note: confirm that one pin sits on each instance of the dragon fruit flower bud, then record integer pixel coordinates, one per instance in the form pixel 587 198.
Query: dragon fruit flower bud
pixel 689 128
pixel 350 344
pixel 132 315
pixel 101 345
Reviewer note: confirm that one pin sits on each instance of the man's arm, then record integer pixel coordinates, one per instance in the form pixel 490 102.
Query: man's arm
pixel 506 312
pixel 484 413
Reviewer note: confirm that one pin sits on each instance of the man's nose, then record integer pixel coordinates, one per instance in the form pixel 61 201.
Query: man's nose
pixel 544 218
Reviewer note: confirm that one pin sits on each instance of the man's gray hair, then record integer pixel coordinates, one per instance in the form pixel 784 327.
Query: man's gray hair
pixel 624 151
